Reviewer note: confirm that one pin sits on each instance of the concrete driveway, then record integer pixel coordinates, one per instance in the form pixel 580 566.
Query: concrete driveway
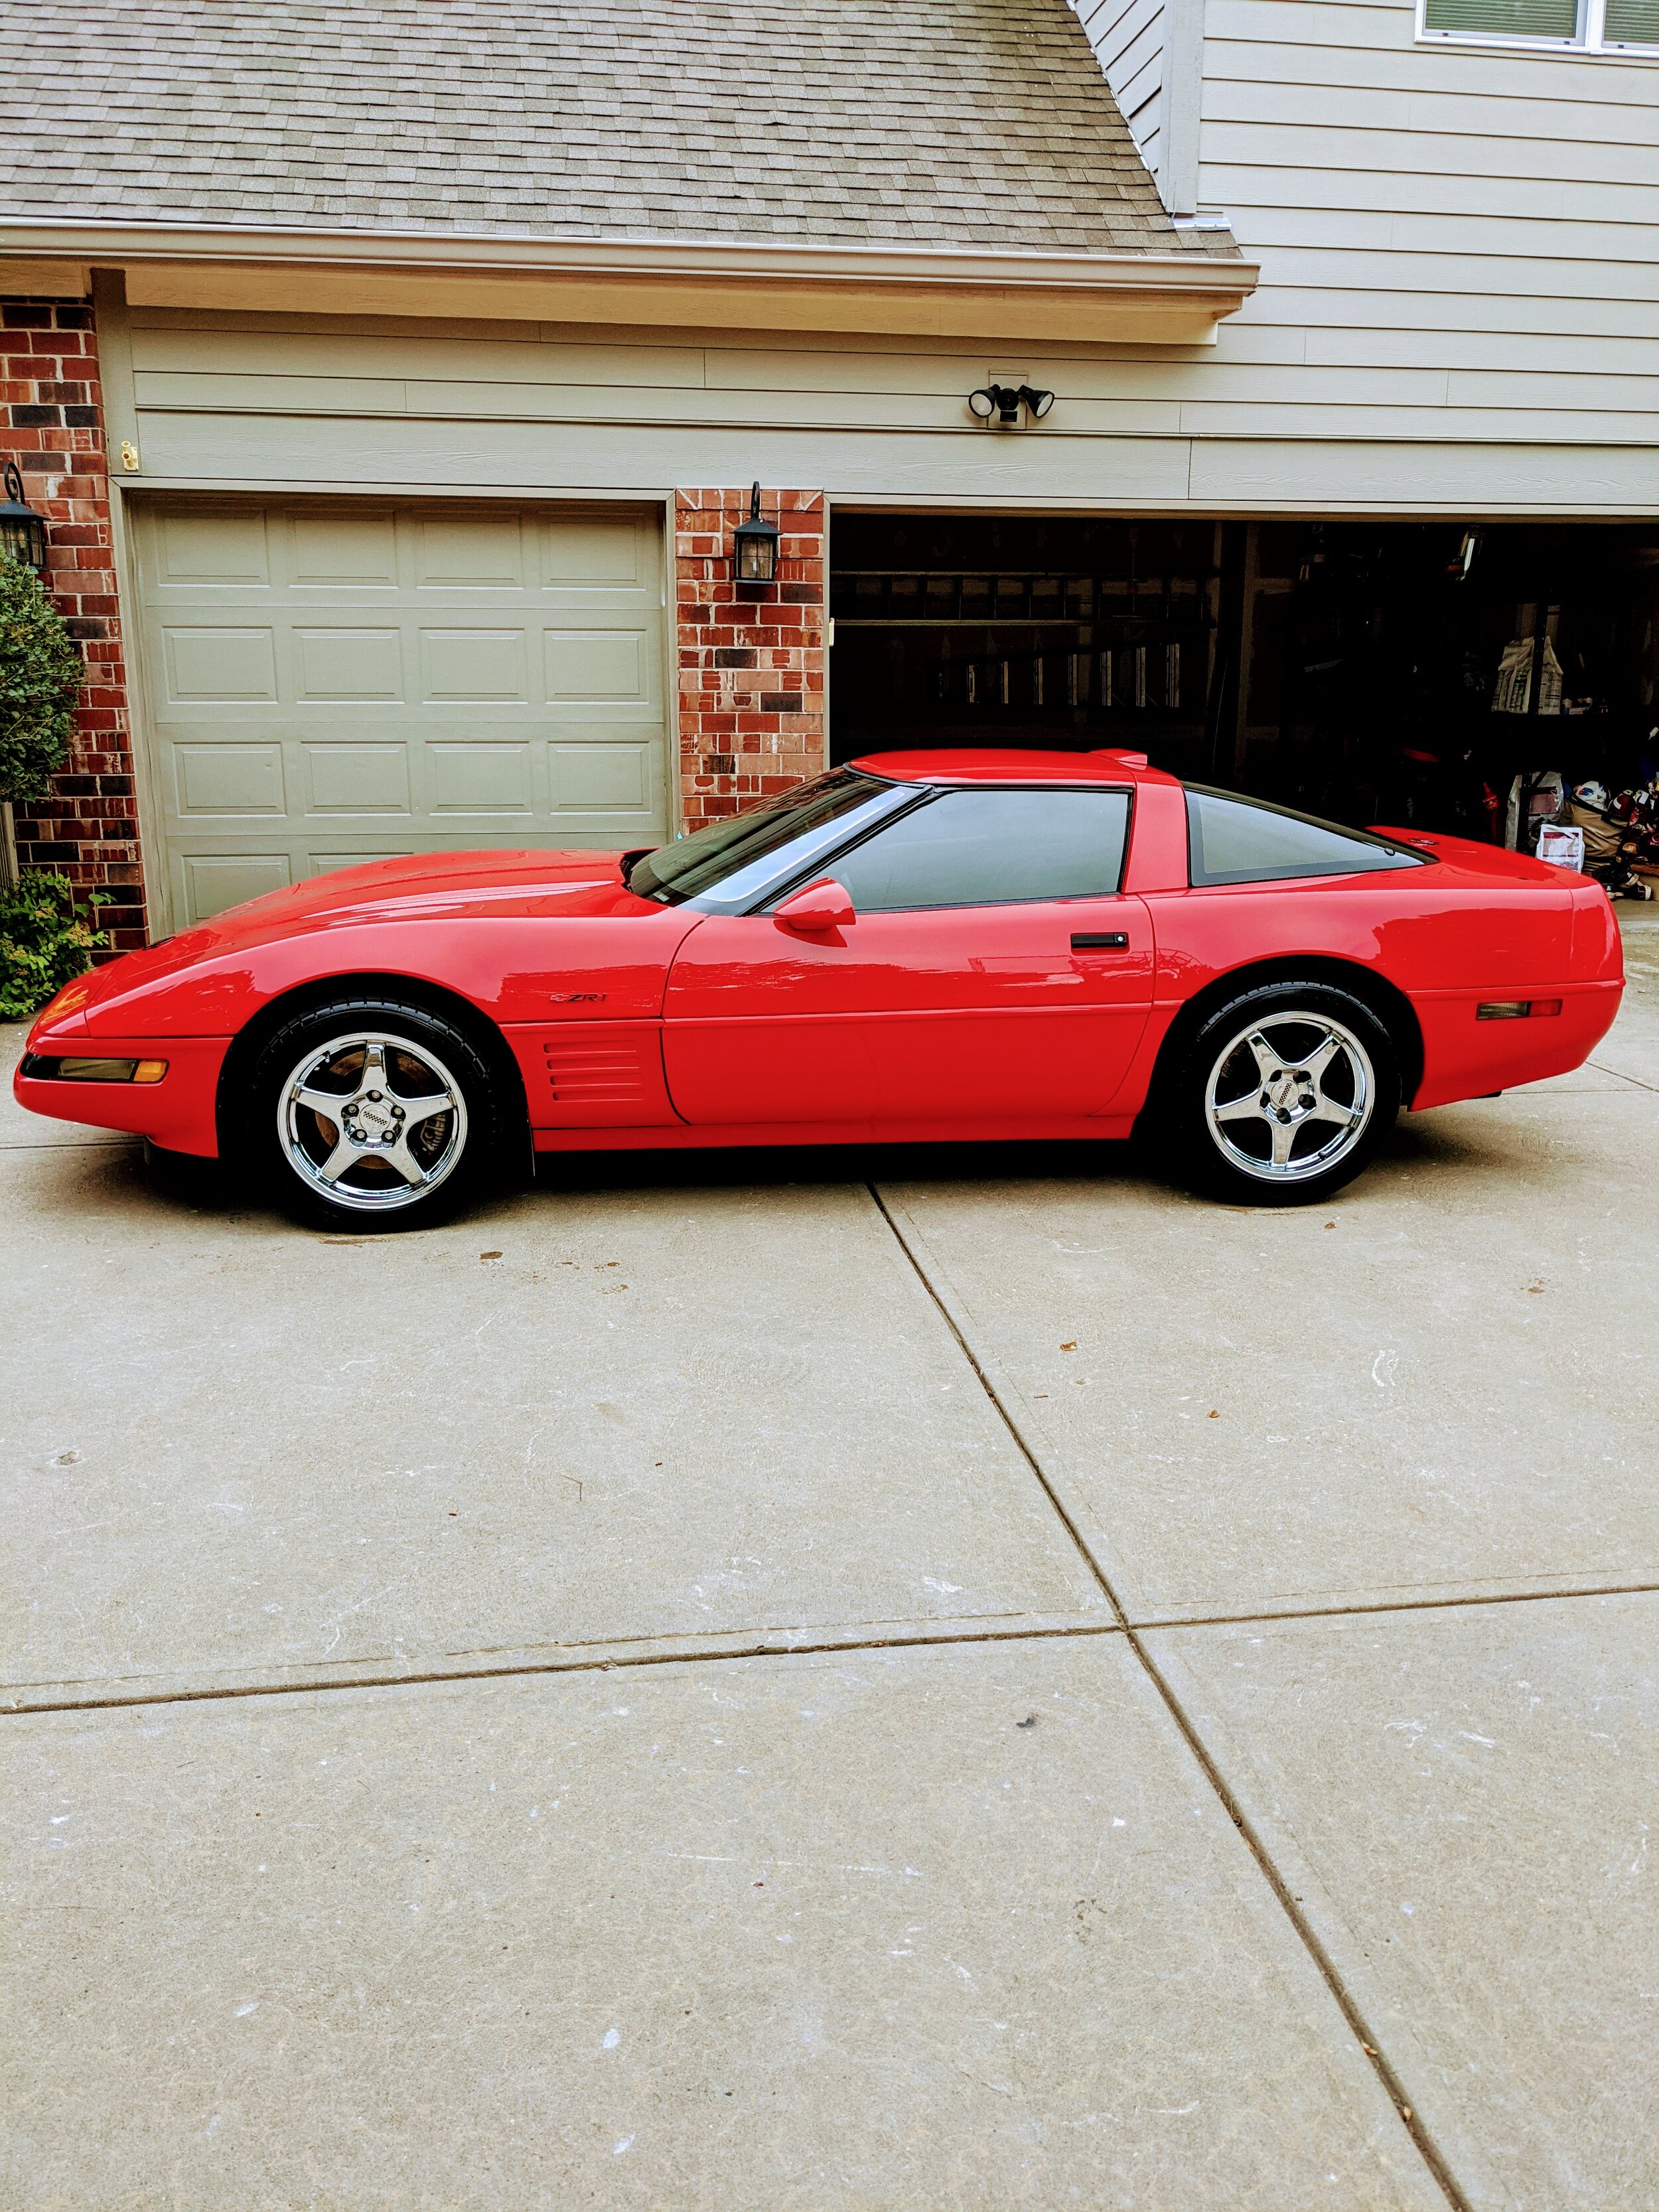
pixel 843 1680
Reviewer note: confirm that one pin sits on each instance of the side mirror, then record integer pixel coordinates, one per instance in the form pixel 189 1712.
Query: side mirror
pixel 821 906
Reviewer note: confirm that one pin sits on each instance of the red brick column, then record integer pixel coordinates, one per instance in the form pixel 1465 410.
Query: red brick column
pixel 86 829
pixel 751 656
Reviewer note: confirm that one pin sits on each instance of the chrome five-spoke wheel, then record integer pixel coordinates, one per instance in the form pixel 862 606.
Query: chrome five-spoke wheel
pixel 371 1120
pixel 1290 1096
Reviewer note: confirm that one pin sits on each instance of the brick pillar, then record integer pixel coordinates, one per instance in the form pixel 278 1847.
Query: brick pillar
pixel 751 658
pixel 87 827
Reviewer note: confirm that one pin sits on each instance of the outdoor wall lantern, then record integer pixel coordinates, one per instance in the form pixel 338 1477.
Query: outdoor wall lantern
pixel 755 545
pixel 1003 401
pixel 22 531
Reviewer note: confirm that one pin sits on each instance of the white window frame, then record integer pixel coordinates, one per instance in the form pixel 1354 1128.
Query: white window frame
pixel 1590 37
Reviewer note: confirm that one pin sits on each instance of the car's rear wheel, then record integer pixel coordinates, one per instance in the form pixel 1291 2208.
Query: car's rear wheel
pixel 1285 1093
pixel 372 1112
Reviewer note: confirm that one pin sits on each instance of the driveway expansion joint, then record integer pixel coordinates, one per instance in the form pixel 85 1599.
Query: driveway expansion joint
pixel 1601 1068
pixel 67 1144
pixel 16 1704
pixel 604 1662
pixel 1368 2039
pixel 1361 1608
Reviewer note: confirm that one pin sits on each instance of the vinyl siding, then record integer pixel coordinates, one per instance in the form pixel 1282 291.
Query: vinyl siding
pixel 1296 409
pixel 1461 239
pixel 1128 37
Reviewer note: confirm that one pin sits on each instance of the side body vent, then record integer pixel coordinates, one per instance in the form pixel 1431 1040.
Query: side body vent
pixel 593 1075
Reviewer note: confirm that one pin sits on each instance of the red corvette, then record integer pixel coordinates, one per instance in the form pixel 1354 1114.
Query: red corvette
pixel 920 945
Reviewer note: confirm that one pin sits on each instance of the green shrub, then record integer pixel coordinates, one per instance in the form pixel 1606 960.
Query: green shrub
pixel 42 673
pixel 46 940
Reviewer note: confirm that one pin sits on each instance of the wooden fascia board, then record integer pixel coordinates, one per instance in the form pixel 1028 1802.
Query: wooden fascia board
pixel 1147 299
pixel 44 278
pixel 706 303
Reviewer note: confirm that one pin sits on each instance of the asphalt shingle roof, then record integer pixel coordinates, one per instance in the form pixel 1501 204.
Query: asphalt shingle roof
pixel 970 122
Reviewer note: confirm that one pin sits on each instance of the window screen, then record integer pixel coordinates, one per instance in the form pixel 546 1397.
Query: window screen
pixel 990 848
pixel 1508 19
pixel 1632 23
pixel 1242 840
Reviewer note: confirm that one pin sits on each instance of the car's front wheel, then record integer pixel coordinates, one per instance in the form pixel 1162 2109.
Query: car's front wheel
pixel 374 1112
pixel 1285 1094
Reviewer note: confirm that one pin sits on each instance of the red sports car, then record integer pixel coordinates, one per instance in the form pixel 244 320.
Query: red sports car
pixel 918 945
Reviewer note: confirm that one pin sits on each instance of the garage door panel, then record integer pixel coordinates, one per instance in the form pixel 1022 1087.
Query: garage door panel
pixel 213 549
pixel 598 664
pixel 335 665
pixel 604 774
pixel 209 882
pixel 481 779
pixel 357 779
pixel 217 666
pixel 323 864
pixel 469 553
pixel 485 665
pixel 595 552
pixel 359 551
pixel 229 779
pixel 416 679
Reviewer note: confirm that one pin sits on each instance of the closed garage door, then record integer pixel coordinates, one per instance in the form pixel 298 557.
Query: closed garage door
pixel 331 682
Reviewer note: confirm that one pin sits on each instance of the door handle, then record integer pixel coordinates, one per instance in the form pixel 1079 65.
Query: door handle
pixel 1101 940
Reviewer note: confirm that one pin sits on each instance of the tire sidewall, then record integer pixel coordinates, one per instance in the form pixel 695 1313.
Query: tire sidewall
pixel 278 1179
pixel 1197 1154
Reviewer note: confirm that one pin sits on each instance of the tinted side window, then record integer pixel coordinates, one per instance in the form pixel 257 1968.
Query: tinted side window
pixel 1244 840
pixel 990 848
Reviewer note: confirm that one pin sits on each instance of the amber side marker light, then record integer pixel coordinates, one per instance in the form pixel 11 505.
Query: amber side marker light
pixel 1515 1010
pixel 51 1069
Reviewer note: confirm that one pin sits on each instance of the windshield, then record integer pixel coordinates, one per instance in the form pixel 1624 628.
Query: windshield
pixel 730 864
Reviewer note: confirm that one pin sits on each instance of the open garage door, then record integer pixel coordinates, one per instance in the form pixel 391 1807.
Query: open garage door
pixel 1462 677
pixel 331 682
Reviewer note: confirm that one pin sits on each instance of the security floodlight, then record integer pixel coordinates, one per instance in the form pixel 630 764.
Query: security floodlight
pixel 1001 404
pixel 998 400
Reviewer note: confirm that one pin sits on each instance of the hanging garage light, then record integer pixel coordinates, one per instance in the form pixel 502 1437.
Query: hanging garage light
pixel 755 545
pixel 22 531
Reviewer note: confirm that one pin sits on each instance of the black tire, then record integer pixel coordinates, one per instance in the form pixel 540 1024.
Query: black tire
pixel 330 1052
pixel 1260 1129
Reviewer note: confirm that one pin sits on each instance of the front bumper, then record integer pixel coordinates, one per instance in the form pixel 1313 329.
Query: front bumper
pixel 178 1113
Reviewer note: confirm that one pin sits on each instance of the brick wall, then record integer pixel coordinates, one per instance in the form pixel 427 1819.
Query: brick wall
pixel 86 829
pixel 751 658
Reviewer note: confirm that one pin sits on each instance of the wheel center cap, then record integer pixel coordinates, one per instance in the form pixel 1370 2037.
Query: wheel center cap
pixel 1289 1095
pixel 373 1119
